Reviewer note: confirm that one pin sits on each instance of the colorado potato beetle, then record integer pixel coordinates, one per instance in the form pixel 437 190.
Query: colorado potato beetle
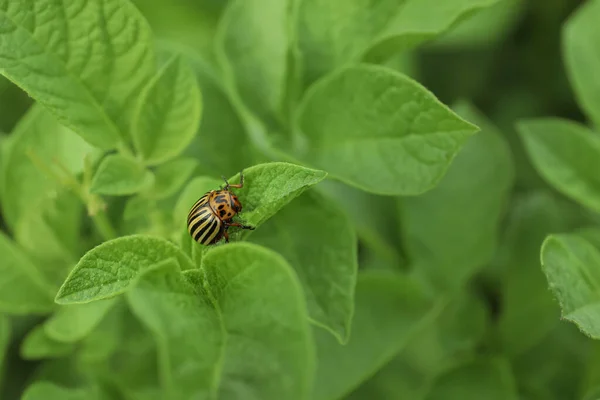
pixel 211 216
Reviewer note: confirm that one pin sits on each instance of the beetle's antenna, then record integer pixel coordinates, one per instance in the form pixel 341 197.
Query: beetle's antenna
pixel 226 183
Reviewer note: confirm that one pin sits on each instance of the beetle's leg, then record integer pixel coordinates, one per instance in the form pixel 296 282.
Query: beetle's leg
pixel 229 185
pixel 226 234
pixel 239 185
pixel 240 225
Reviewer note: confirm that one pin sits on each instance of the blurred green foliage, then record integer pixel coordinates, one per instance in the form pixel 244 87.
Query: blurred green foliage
pixel 424 177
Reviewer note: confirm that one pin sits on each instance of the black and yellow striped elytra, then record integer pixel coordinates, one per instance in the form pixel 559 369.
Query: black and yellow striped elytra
pixel 211 216
pixel 203 225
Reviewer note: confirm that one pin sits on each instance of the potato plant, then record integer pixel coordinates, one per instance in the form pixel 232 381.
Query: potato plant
pixel 423 177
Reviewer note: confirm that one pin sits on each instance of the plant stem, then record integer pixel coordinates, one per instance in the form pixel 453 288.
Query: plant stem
pixel 103 225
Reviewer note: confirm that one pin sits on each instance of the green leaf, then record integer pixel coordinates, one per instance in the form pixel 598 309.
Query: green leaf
pixel 169 113
pixel 581 35
pixel 172 310
pixel 189 24
pixel 138 207
pixel 220 126
pixel 571 266
pixel 376 230
pixel 114 266
pixel 420 21
pixel 334 33
pixel 108 333
pixel 269 187
pixel 72 323
pixel 24 288
pixel 170 177
pixel 555 368
pixel 264 317
pixel 380 131
pixel 120 176
pixel 567 155
pixel 478 379
pixel 133 365
pixel 90 85
pixel 529 311
pixel 455 333
pixel 483 28
pixel 319 242
pixel 38 345
pixel 247 307
pixel 389 310
pixel 25 187
pixel 250 33
pixel 49 391
pixel 446 241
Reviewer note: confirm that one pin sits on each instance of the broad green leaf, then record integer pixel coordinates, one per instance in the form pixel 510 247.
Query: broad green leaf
pixel 221 144
pixel 571 266
pixel 581 35
pixel 120 176
pixel 454 334
pixel 485 27
pixel 85 61
pixel 26 188
pixel 138 207
pixel 379 130
pixel 269 187
pixel 389 310
pixel 49 391
pixel 591 382
pixel 567 155
pixel 177 315
pixel 170 177
pixel 37 345
pixel 239 320
pixel 184 23
pixel 555 368
pixel 51 234
pixel 319 242
pixel 169 113
pixel 108 333
pixel 529 311
pixel 134 364
pixel 334 33
pixel 590 233
pixel 376 230
pixel 265 319
pixel 422 20
pixel 114 266
pixel 446 240
pixel 253 44
pixel 72 323
pixel 474 380
pixel 24 288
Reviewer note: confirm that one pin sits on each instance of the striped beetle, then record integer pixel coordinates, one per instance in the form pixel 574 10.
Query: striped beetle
pixel 211 216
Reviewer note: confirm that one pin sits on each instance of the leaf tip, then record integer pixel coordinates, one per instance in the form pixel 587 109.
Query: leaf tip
pixel 61 299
